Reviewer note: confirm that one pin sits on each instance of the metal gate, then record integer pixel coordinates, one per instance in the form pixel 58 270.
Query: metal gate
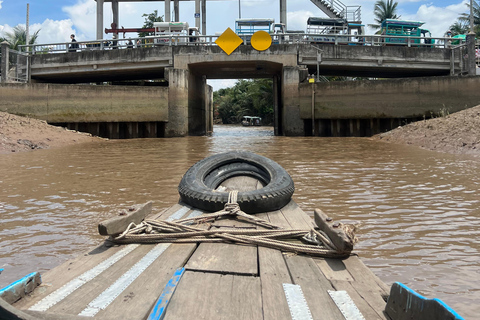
pixel 18 67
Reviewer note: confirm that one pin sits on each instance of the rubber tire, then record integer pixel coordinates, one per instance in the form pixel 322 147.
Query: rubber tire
pixel 197 187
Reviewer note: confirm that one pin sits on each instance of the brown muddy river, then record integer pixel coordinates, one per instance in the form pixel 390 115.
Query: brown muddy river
pixel 418 211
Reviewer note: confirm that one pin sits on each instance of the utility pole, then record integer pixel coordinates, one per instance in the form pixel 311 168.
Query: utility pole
pixel 27 34
pixel 471 17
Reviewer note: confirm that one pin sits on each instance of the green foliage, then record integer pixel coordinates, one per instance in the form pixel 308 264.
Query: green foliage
pixel 459 27
pixel 384 9
pixel 19 37
pixel 465 18
pixel 149 20
pixel 246 98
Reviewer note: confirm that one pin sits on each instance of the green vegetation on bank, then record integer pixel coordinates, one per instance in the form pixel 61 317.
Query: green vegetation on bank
pixel 246 98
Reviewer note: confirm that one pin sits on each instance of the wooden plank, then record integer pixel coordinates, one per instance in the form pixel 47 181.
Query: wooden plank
pixel 333 269
pixel 138 299
pixel 277 218
pixel 342 241
pixel 62 274
pixel 215 296
pixel 224 258
pixel 365 283
pixel 314 285
pixel 160 308
pixel 362 274
pixel 296 217
pixel 119 224
pixel 78 300
pixel 7 311
pixel 241 184
pixel 18 289
pixel 273 273
pixel 362 304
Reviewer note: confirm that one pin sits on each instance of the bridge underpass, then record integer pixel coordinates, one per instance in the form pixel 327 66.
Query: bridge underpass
pixel 182 104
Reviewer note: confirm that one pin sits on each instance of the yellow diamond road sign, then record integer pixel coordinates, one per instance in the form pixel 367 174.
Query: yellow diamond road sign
pixel 228 41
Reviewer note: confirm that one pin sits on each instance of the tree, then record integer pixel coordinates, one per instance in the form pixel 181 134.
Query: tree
pixel 149 20
pixel 247 97
pixel 19 37
pixel 384 9
pixel 460 27
pixel 465 17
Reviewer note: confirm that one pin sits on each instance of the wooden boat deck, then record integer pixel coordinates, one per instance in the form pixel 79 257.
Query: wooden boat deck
pixel 221 280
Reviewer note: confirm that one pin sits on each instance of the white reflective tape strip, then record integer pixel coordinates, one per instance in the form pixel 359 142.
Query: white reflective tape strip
pixel 195 213
pixel 107 296
pixel 346 305
pixel 178 214
pixel 61 293
pixel 296 302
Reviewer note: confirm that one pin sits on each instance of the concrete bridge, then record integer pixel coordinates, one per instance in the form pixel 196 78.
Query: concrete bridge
pixel 180 102
pixel 245 62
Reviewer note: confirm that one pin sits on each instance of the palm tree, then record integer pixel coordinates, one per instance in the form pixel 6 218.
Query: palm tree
pixel 465 17
pixel 19 37
pixel 384 9
pixel 459 27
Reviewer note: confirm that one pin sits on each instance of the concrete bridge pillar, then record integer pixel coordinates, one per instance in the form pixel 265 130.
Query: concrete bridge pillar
pixel 115 17
pixel 167 11
pixel 99 19
pixel 197 106
pixel 292 123
pixel 178 80
pixel 283 12
pixel 471 67
pixel 204 17
pixel 197 14
pixel 176 9
pixel 4 62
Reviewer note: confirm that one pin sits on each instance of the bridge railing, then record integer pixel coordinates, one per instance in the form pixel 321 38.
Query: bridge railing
pixel 209 40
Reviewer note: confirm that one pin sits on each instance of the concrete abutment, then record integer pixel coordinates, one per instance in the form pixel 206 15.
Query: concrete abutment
pixel 185 107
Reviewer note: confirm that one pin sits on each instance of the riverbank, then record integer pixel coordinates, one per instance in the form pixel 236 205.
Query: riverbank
pixel 456 133
pixel 18 134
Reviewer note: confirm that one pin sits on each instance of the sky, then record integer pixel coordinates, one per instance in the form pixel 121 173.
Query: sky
pixel 57 19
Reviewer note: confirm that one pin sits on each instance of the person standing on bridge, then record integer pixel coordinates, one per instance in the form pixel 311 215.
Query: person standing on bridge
pixel 74 45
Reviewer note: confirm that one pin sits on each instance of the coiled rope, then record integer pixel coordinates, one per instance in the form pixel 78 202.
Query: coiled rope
pixel 182 231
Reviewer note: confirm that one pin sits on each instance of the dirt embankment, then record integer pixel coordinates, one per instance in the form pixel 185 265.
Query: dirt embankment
pixel 26 134
pixel 456 133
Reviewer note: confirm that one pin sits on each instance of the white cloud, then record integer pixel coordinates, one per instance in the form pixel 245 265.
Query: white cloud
pixel 1 8
pixel 297 20
pixel 54 31
pixel 82 16
pixel 437 19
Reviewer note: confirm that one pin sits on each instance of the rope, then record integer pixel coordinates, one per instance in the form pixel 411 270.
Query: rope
pixel 182 231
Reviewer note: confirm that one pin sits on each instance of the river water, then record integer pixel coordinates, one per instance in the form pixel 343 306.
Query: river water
pixel 417 211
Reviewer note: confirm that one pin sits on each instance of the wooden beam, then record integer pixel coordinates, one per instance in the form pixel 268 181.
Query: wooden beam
pixel 117 225
pixel 334 231
pixel 20 288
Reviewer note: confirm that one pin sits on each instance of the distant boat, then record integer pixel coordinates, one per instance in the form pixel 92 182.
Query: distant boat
pixel 251 121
